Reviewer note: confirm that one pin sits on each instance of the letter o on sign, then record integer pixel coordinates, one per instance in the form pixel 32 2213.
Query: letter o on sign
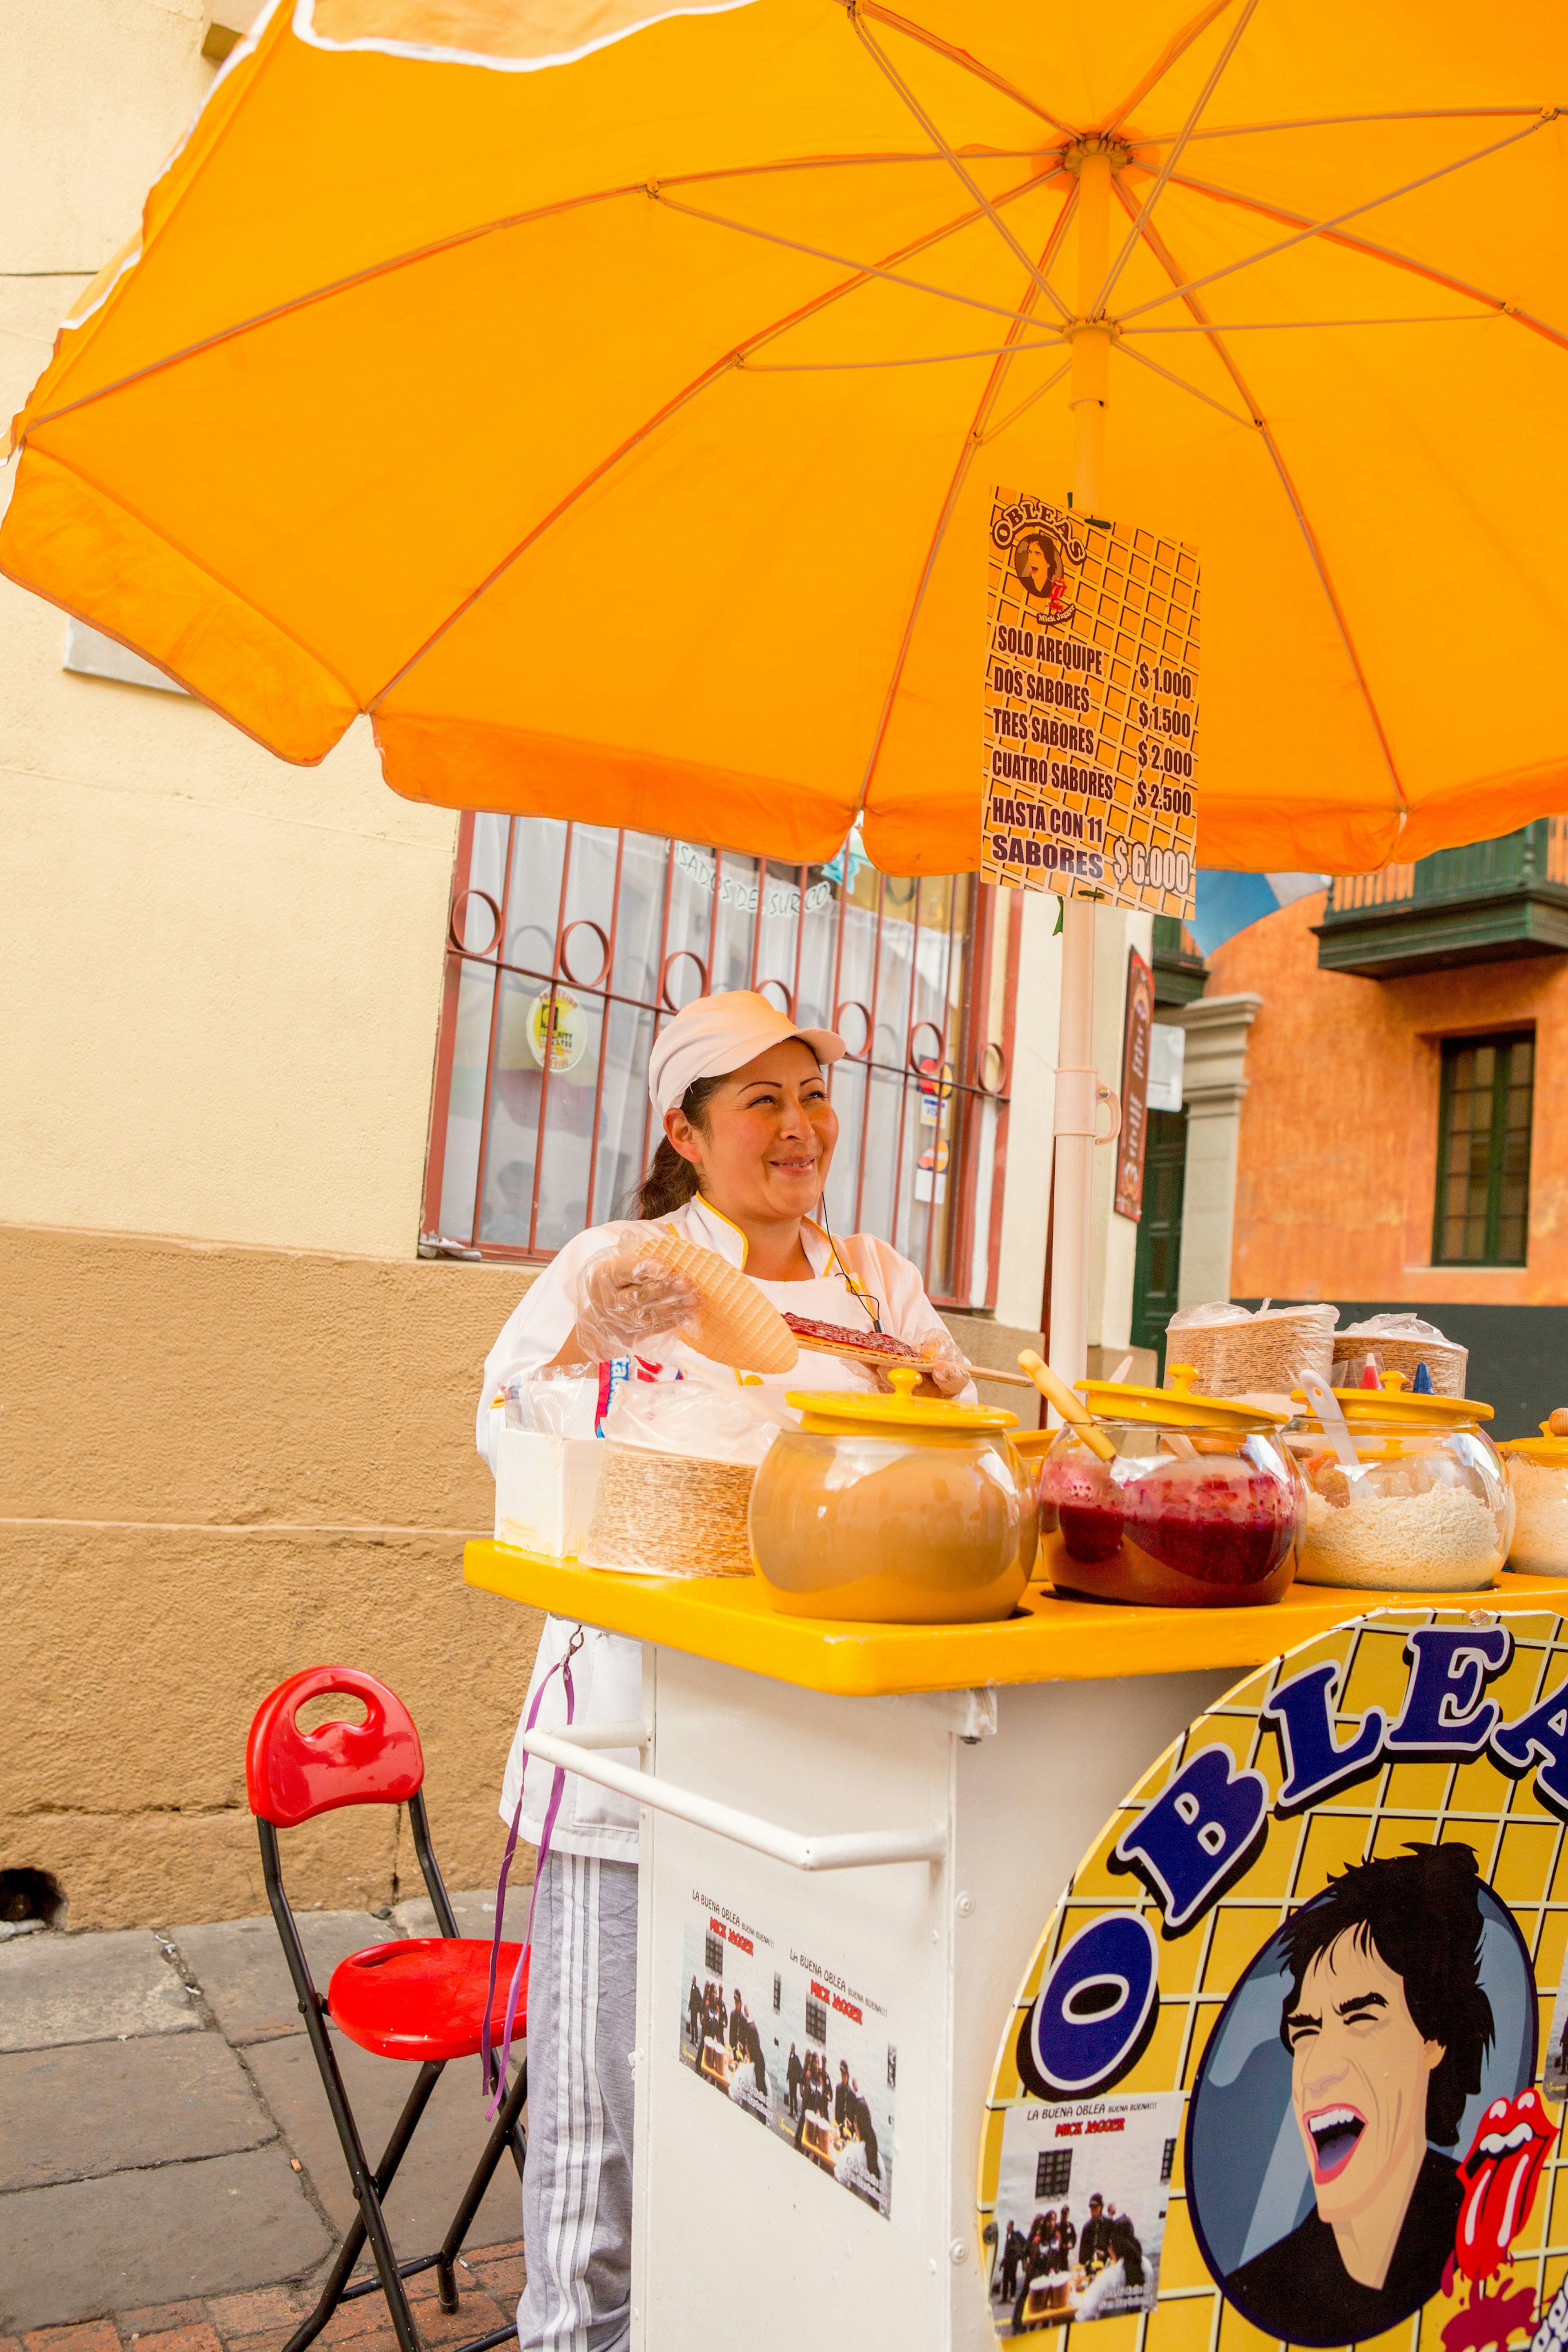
pixel 1087 2025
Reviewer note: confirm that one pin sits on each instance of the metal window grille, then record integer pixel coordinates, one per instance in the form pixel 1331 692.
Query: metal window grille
pixel 815 2022
pixel 1483 1150
pixel 569 945
pixel 1053 2172
pixel 713 1954
pixel 1168 2160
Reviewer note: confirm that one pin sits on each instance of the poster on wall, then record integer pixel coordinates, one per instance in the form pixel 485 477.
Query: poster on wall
pixel 1282 2056
pixel 787 2040
pixel 1090 707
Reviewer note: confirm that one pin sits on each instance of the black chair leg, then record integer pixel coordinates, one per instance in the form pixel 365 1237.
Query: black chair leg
pixel 312 2010
pixel 336 2289
pixel 505 2135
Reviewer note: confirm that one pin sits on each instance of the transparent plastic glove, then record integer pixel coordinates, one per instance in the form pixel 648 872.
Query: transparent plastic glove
pixel 628 1298
pixel 942 1367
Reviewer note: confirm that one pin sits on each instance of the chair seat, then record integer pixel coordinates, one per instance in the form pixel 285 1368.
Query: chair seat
pixel 423 1997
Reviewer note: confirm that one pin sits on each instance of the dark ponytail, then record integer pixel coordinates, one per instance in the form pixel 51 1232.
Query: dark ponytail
pixel 671 1182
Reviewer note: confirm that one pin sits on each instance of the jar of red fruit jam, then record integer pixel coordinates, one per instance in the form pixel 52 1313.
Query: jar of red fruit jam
pixel 1199 1506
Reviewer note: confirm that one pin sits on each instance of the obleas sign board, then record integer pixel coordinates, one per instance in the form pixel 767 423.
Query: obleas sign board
pixel 1288 2064
pixel 1091 708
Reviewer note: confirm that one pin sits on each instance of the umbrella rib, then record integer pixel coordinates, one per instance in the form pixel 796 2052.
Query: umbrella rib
pixel 1176 47
pixel 1321 228
pixel 365 276
pixel 864 269
pixel 1376 253
pixel 1050 384
pixel 962 59
pixel 1337 122
pixel 1168 263
pixel 1253 423
pixel 935 135
pixel 918 359
pixel 433 251
pixel 1210 85
pixel 732 360
pixel 1278 326
pixel 973 441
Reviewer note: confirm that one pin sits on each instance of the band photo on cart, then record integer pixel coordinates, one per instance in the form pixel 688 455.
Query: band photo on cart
pixel 799 2055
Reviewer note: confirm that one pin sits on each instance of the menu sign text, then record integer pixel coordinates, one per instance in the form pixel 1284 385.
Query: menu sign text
pixel 1091 709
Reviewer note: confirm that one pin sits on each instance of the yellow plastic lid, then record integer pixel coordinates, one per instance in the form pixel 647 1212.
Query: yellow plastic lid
pixel 903 1410
pixel 1175 1407
pixel 1396 1405
pixel 1550 1447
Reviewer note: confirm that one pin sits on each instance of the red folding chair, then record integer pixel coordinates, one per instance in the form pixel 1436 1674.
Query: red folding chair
pixel 422 1997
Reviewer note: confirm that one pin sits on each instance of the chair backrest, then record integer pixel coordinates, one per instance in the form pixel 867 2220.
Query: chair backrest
pixel 291 1775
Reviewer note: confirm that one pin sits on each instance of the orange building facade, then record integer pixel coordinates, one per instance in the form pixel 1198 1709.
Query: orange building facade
pixel 1336 1192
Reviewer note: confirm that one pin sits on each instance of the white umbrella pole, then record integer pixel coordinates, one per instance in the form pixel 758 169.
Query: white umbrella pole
pixel 1077 1105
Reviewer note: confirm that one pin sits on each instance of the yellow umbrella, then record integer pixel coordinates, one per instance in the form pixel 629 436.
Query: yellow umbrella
pixel 608 399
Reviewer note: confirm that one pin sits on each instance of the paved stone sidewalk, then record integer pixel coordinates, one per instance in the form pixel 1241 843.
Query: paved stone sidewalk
pixel 166 2151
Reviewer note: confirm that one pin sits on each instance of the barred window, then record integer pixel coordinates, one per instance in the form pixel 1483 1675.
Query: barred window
pixel 569 945
pixel 1053 2172
pixel 713 1954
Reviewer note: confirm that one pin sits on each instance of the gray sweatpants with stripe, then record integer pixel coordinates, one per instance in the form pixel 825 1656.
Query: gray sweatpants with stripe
pixel 577 2182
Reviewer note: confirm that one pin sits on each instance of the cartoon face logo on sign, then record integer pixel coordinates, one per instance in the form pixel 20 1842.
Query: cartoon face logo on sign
pixel 1278 2048
pixel 1038 562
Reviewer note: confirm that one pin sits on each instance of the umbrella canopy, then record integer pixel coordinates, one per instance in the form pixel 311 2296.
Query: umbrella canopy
pixel 610 402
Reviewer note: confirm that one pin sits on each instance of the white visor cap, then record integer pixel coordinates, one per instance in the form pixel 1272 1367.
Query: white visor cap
pixel 716 1035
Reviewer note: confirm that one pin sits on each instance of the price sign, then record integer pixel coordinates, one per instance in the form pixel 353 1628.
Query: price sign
pixel 1091 708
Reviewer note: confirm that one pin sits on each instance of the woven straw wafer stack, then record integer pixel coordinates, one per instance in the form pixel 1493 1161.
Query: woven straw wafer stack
pixel 735 1324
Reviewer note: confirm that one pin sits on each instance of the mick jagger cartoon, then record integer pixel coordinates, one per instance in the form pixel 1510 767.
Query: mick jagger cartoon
pixel 1387 2026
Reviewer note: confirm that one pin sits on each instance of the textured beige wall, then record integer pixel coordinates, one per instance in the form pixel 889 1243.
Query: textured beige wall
pixel 222 974
pixel 94 95
pixel 218 1466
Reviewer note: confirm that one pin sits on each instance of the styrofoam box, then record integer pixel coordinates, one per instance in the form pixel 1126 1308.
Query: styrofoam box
pixel 544 1490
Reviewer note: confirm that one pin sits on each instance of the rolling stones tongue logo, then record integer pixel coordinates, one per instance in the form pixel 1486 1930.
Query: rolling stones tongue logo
pixel 1499 2175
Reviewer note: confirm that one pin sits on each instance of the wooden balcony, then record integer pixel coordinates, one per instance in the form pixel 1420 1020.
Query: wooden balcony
pixel 1489 903
pixel 1180 972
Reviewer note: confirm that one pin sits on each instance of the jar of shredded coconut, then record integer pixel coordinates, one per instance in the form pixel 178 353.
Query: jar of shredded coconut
pixel 1427 1514
pixel 1425 1506
pixel 1538 1475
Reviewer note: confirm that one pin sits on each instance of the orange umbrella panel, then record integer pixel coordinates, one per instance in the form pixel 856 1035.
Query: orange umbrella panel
pixel 613 407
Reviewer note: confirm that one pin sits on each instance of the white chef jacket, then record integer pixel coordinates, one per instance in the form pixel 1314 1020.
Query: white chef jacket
pixel 607 1672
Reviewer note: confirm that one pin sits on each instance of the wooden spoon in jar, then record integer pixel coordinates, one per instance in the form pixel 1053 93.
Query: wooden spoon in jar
pixel 1068 1403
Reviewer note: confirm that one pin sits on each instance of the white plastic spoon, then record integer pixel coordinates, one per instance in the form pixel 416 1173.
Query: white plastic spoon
pixel 1331 1413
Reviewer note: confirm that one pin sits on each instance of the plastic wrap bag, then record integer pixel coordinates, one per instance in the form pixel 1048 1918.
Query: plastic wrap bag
pixel 1234 1352
pixel 703 1423
pixel 560 1400
pixel 1401 1343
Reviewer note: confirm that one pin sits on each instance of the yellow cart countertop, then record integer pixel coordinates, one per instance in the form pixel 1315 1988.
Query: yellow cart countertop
pixel 726 1618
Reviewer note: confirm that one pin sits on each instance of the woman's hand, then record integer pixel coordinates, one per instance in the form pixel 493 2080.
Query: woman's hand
pixel 629 1298
pixel 943 1371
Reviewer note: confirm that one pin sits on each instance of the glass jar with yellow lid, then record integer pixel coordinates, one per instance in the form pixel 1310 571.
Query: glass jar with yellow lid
pixel 1537 1478
pixel 893 1509
pixel 1410 1496
pixel 1174 1500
